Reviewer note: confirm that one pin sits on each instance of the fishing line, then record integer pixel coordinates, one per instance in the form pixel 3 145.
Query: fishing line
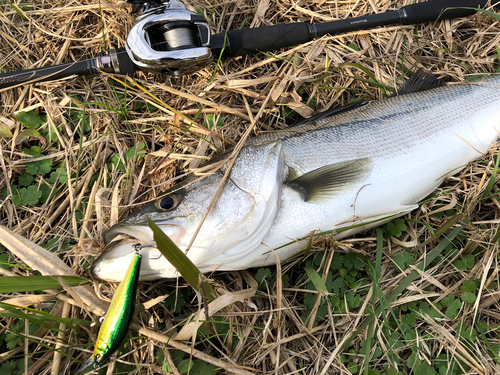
pixel 172 36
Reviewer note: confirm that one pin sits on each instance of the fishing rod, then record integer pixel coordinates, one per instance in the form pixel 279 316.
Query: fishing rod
pixel 168 39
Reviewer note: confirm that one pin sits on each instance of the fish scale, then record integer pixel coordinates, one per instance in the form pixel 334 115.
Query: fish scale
pixel 358 168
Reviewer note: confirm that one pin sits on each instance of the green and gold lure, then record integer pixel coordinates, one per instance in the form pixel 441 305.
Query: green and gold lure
pixel 119 316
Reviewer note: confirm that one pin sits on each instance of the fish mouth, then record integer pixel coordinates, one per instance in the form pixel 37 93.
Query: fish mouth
pixel 143 233
pixel 120 239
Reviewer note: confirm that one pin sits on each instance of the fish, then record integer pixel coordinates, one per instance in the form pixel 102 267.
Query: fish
pixel 116 322
pixel 344 172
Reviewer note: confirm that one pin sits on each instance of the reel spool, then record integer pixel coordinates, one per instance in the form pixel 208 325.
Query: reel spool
pixel 168 39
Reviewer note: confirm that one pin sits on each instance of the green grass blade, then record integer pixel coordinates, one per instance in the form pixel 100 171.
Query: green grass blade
pixel 318 282
pixel 15 313
pixel 491 182
pixel 47 316
pixel 18 284
pixel 18 11
pixel 487 12
pixel 180 261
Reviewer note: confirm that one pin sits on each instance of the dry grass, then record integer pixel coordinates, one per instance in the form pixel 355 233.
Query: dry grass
pixel 267 334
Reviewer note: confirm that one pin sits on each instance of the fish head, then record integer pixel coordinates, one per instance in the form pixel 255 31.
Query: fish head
pixel 234 226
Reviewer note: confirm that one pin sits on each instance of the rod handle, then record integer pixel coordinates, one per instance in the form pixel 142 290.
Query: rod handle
pixel 260 39
pixel 431 11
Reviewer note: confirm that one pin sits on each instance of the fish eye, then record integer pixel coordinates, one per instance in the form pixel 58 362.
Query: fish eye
pixel 169 202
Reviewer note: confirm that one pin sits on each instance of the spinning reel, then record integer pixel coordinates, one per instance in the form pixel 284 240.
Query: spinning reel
pixel 168 39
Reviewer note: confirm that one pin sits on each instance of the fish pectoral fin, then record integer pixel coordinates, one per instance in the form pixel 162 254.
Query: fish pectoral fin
pixel 321 184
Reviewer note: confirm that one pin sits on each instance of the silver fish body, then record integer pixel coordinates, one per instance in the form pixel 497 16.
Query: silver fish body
pixel 359 168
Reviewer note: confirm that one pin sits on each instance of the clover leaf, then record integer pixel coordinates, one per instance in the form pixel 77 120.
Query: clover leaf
pixel 31 120
pixel 403 259
pixel 30 195
pixel 396 227
pixel 39 166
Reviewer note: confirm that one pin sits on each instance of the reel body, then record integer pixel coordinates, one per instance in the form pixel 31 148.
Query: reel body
pixel 168 39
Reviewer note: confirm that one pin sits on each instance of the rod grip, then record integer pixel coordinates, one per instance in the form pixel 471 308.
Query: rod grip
pixel 431 11
pixel 262 39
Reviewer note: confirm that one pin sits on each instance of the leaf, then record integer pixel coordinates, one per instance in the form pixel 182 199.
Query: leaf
pixel 57 243
pixel 18 201
pixel 44 166
pixel 353 300
pixel 396 227
pixel 40 166
pixel 46 190
pixel 468 286
pixel 334 300
pixel 31 120
pixel 309 300
pixel 25 179
pixel 413 360
pixel 493 177
pixel 4 262
pixel 316 279
pixel 468 297
pixel 452 310
pixel 427 309
pixel 9 367
pixel 60 174
pixel 175 301
pixel 352 367
pixel 393 371
pixel 469 334
pixel 338 285
pixel 285 280
pixel 30 195
pixel 424 369
pixel 203 368
pixel 403 259
pixel 18 284
pixel 353 46
pixel 465 263
pixel 180 261
pixel 262 274
pixel 185 366
pixel 34 151
pixel 136 151
pixel 448 300
pixel 26 134
pixel 5 131
pixel 210 121
pixel 337 262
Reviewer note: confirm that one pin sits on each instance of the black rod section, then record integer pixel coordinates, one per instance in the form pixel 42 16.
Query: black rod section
pixel 50 73
pixel 269 38
pixel 117 61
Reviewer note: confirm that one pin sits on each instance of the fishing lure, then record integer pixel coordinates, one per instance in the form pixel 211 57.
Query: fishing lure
pixel 119 315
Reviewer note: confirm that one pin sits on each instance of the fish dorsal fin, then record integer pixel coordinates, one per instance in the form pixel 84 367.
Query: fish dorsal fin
pixel 321 184
pixel 422 80
pixel 331 112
